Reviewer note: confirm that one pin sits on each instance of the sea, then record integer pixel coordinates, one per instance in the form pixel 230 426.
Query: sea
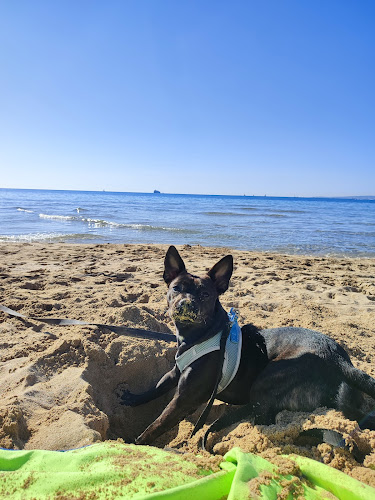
pixel 307 226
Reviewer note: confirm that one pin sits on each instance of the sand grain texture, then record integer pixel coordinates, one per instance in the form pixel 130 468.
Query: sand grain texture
pixel 58 384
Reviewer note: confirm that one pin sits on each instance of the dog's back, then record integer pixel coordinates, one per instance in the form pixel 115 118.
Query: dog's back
pixel 291 342
pixel 300 370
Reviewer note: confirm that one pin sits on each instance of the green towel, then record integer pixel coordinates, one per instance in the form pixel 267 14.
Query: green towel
pixel 107 470
pixel 114 470
pixel 322 481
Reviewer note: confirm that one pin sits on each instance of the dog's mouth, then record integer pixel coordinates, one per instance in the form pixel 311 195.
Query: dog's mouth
pixel 185 317
pixel 184 314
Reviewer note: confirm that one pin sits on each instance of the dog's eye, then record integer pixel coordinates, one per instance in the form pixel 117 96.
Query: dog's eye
pixel 177 288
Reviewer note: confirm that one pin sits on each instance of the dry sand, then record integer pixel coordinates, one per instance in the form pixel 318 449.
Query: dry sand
pixel 58 384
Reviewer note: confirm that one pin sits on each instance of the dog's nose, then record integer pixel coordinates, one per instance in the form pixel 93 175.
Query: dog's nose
pixel 186 304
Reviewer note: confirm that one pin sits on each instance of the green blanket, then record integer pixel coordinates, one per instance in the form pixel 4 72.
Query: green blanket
pixel 114 470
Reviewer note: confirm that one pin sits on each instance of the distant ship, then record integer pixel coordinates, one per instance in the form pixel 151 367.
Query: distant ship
pixel 156 191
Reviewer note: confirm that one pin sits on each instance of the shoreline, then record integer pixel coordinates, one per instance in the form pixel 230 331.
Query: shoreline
pixel 59 383
pixel 224 248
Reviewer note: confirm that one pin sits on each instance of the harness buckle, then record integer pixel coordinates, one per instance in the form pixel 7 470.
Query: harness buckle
pixel 234 333
pixel 233 315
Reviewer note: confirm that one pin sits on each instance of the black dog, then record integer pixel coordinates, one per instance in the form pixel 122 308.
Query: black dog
pixel 280 368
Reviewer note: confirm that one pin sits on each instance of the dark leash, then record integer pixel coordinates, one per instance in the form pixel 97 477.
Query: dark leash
pixel 335 439
pixel 121 330
pixel 203 417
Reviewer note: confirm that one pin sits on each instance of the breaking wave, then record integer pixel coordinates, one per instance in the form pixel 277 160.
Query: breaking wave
pixel 105 223
pixel 46 237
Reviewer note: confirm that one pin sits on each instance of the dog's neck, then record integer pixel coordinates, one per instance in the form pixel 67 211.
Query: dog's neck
pixel 191 334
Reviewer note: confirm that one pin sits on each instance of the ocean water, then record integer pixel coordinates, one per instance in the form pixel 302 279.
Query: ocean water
pixel 309 226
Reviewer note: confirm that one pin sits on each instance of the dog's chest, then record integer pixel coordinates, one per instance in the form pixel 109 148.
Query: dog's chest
pixel 232 355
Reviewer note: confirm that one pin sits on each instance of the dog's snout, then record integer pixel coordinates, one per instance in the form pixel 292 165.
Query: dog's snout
pixel 185 310
pixel 186 304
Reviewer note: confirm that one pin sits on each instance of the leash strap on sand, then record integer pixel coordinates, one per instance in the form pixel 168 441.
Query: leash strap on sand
pixel 122 330
pixel 203 417
pixel 335 439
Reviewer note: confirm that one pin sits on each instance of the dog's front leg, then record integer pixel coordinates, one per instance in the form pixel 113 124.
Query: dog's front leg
pixel 166 383
pixel 194 388
pixel 173 413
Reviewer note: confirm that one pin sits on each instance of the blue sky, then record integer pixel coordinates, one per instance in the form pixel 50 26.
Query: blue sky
pixel 217 97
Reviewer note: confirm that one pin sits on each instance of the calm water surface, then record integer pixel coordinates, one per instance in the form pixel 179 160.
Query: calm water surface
pixel 313 226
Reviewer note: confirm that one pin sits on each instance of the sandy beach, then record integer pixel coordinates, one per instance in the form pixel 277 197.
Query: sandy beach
pixel 58 384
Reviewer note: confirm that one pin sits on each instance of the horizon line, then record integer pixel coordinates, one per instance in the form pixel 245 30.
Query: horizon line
pixel 363 197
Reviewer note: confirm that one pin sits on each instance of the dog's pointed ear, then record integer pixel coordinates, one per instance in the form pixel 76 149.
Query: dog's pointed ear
pixel 173 265
pixel 221 273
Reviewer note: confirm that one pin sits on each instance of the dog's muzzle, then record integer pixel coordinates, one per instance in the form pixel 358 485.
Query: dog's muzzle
pixel 185 310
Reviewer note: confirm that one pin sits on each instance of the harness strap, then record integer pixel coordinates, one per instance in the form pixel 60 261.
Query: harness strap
pixel 203 417
pixel 197 351
pixel 232 353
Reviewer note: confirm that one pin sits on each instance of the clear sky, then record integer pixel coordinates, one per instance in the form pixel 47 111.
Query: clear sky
pixel 259 97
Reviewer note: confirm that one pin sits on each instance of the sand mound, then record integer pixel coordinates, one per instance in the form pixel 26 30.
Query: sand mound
pixel 59 384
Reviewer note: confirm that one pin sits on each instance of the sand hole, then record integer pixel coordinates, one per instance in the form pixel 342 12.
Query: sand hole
pixel 134 366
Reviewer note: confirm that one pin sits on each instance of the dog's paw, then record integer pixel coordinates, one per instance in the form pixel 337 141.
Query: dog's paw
pixel 128 399
pixel 142 439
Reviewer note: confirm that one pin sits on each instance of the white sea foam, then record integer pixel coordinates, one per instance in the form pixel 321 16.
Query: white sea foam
pixel 96 222
pixel 58 217
pixel 139 227
pixel 46 237
pixel 148 227
pixel 105 223
pixel 25 210
pixel 100 222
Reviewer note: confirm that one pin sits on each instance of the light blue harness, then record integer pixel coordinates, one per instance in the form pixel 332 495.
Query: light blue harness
pixel 232 356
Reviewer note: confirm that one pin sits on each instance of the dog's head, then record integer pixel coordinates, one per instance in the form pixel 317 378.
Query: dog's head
pixel 192 299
